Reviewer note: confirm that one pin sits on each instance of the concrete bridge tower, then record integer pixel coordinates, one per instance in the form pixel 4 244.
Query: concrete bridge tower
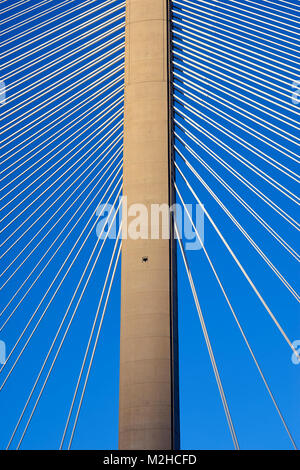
pixel 149 402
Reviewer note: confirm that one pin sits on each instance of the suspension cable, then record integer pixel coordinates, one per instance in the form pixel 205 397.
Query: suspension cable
pixel 237 32
pixel 272 316
pixel 237 321
pixel 244 161
pixel 61 244
pixel 237 21
pixel 63 338
pixel 243 112
pixel 71 42
pixel 69 88
pixel 60 119
pixel 256 15
pixel 60 270
pixel 242 85
pixel 40 25
pixel 90 340
pixel 262 108
pixel 250 130
pixel 67 66
pixel 208 343
pixel 242 230
pixel 73 297
pixel 231 47
pixel 70 125
pixel 262 155
pixel 257 217
pixel 101 172
pixel 103 140
pixel 29 42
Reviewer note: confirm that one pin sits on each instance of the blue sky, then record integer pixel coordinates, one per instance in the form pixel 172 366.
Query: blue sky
pixel 73 123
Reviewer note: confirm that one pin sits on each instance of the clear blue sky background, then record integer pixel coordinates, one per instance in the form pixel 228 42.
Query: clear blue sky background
pixel 203 423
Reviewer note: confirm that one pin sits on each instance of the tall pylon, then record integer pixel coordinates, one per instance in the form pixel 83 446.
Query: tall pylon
pixel 149 399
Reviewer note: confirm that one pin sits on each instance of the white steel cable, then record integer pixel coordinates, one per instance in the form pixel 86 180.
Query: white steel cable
pixel 226 165
pixel 62 58
pixel 284 6
pixel 59 94
pixel 60 143
pixel 117 139
pixel 111 160
pixel 250 130
pixel 225 65
pixel 245 113
pixel 67 66
pixel 94 349
pixel 257 217
pixel 56 251
pixel 210 28
pixel 75 133
pixel 40 25
pixel 16 15
pixel 58 236
pixel 88 139
pixel 11 7
pixel 61 343
pixel 233 255
pixel 276 4
pixel 244 85
pixel 31 18
pixel 237 32
pixel 257 15
pixel 60 270
pixel 66 78
pixel 237 322
pixel 61 118
pixel 92 334
pixel 236 21
pixel 254 104
pixel 279 166
pixel 74 294
pixel 65 44
pixel 19 133
pixel 232 46
pixel 242 111
pixel 29 42
pixel 36 49
pixel 69 126
pixel 241 229
pixel 58 48
pixel 241 60
pixel 44 147
pixel 76 95
pixel 289 194
pixel 243 270
pixel 208 343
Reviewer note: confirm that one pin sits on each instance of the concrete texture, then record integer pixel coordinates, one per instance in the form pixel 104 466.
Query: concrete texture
pixel 146 416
